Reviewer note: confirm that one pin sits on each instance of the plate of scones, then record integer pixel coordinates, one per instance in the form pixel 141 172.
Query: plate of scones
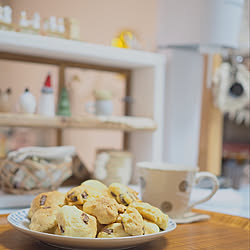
pixel 92 215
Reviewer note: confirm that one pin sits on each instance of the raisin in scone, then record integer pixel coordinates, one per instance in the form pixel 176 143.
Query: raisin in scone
pixel 150 227
pixel 73 222
pixel 151 213
pixel 80 194
pixel 123 194
pixel 105 209
pixel 48 199
pixel 112 231
pixel 132 222
pixel 44 219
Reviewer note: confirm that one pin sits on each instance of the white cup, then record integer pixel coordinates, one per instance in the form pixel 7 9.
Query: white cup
pixel 169 186
pixel 100 107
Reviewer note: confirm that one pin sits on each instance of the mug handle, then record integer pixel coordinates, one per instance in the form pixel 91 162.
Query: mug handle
pixel 90 107
pixel 202 175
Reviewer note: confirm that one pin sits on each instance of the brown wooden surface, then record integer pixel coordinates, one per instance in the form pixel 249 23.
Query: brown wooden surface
pixel 220 232
pixel 81 122
pixel 211 132
pixel 61 84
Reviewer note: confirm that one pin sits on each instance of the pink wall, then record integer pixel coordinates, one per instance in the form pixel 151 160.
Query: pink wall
pixel 100 21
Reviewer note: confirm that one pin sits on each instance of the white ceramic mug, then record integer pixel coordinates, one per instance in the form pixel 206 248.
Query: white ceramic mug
pixel 100 107
pixel 169 186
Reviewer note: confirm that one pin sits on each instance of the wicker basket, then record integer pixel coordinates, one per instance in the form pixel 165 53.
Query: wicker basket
pixel 31 177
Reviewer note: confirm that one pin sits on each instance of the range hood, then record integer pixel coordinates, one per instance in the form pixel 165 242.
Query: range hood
pixel 199 24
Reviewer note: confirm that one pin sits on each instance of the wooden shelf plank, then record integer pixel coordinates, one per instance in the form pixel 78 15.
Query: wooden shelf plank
pixel 123 123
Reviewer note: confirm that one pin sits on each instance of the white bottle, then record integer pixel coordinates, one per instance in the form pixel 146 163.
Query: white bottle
pixel 7 14
pixel 47 101
pixel 61 27
pixel 23 20
pixel 27 102
pixel 52 24
pixel 36 21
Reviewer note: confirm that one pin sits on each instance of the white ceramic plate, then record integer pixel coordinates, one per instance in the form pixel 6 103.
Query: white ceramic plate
pixel 20 221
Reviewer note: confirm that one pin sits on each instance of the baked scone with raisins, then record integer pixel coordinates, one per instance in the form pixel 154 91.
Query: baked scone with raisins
pixel 112 231
pixel 105 209
pixel 151 213
pixel 95 184
pixel 119 218
pixel 132 222
pixel 73 222
pixel 80 194
pixel 48 199
pixel 123 194
pixel 44 219
pixel 150 227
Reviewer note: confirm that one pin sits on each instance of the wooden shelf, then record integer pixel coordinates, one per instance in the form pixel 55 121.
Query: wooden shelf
pixel 123 123
pixel 57 50
pixel 145 79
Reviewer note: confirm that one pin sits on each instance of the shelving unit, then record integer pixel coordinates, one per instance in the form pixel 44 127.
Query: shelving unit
pixel 145 77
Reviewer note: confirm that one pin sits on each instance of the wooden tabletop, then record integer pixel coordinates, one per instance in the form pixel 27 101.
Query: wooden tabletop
pixel 220 232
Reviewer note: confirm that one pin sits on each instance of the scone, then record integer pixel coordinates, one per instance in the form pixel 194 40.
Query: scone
pixel 151 213
pixel 150 227
pixel 119 219
pixel 80 194
pixel 112 231
pixel 48 199
pixel 105 209
pixel 132 222
pixel 123 194
pixel 44 219
pixel 73 222
pixel 95 184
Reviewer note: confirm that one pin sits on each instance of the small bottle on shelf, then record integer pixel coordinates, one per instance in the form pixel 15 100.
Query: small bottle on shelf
pixel 47 100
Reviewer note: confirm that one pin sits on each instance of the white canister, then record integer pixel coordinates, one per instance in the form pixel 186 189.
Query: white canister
pixel 113 166
pixel 103 104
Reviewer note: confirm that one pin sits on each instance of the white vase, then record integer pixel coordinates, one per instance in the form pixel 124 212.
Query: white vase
pixel 27 102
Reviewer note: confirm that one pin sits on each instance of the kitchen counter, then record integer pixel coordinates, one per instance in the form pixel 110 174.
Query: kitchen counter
pixel 219 232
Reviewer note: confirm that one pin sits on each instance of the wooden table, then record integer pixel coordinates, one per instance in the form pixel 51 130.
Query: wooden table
pixel 220 232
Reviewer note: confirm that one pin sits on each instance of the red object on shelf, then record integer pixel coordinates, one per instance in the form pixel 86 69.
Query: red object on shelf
pixel 236 151
pixel 48 82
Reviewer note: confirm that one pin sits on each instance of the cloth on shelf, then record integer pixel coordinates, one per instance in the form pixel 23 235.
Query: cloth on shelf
pixel 48 153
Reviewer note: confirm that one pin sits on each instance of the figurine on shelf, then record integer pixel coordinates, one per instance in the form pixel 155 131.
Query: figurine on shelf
pixel 61 27
pixel 52 24
pixel 72 28
pixel 53 27
pixel 47 101
pixel 36 21
pixel 29 26
pixel 64 104
pixel 27 102
pixel 6 18
pixel 24 23
pixel 126 40
pixel 5 102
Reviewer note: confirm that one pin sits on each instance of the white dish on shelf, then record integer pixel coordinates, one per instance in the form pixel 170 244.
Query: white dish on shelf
pixel 20 221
